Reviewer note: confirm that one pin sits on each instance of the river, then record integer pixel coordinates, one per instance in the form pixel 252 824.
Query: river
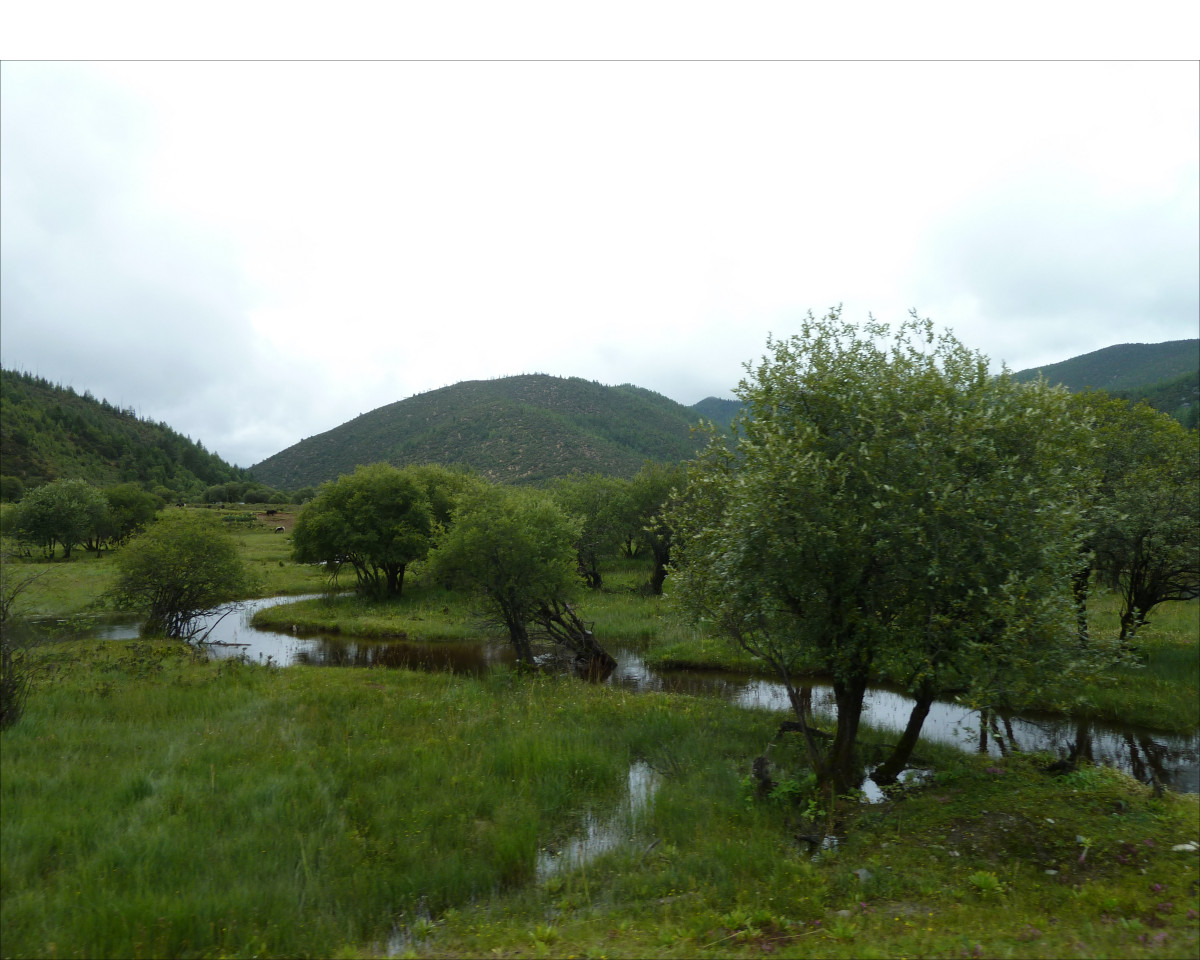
pixel 1173 759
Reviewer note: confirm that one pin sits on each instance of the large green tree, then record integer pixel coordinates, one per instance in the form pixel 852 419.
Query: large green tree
pixel 515 547
pixel 377 520
pixel 889 509
pixel 645 517
pixel 598 502
pixel 1142 504
pixel 181 566
pixel 64 513
pixel 130 510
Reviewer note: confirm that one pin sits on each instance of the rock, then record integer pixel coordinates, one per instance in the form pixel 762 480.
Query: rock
pixel 863 874
pixel 843 913
pixel 1186 847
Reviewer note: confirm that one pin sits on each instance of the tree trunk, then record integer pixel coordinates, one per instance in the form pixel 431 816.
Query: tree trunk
pixel 520 641
pixel 563 625
pixel 842 769
pixel 395 579
pixel 1080 583
pixel 658 577
pixel 802 707
pixel 889 771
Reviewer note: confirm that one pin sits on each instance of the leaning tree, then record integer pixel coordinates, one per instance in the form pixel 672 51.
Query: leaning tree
pixel 515 548
pixel 181 566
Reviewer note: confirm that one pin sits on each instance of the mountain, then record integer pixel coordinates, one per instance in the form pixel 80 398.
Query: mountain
pixel 1166 375
pixel 525 429
pixel 1126 367
pixel 719 411
pixel 49 432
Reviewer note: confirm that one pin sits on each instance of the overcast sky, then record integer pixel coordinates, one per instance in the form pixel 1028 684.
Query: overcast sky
pixel 258 252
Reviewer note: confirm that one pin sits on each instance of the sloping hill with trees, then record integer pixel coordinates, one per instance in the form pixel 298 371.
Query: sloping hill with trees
pixel 50 432
pixel 1166 374
pixel 525 429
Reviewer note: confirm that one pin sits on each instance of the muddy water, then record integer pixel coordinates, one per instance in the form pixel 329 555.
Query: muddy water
pixel 1174 760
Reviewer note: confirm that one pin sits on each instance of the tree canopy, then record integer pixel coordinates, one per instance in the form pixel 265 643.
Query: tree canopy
pixel 516 548
pixel 64 513
pixel 887 510
pixel 180 567
pixel 1142 504
pixel 599 502
pixel 378 520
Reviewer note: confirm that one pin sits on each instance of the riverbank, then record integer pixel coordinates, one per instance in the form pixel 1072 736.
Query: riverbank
pixel 1160 691
pixel 236 809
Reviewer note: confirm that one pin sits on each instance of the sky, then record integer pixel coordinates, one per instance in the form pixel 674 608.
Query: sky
pixel 255 252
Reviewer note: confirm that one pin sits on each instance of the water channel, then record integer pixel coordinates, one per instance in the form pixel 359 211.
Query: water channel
pixel 1172 759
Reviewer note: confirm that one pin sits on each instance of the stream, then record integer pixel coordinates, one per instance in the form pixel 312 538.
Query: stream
pixel 1173 759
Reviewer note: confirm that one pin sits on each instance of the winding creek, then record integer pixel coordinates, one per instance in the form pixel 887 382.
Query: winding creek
pixel 1173 759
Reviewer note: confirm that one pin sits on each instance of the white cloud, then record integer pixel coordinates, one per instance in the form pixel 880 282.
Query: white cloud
pixel 257 252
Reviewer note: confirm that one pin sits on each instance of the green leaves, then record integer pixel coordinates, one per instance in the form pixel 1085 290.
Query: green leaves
pixel 180 567
pixel 378 520
pixel 516 548
pixel 891 507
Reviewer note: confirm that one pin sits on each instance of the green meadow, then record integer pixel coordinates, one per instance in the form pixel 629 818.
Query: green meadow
pixel 156 803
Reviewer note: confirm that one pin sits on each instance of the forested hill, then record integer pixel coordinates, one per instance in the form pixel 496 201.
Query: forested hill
pixel 1165 374
pixel 49 432
pixel 524 429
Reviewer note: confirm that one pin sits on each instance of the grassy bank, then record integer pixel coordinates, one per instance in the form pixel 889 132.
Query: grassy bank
pixel 155 804
pixel 76 586
pixel 1160 691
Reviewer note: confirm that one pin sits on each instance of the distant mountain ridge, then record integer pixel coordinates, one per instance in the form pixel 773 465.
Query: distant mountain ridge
pixel 1166 375
pixel 523 429
pixel 1122 367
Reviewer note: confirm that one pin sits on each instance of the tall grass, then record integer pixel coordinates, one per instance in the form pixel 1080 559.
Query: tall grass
pixel 1161 687
pixel 154 804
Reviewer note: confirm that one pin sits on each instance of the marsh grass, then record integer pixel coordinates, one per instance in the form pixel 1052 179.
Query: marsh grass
pixel 1160 688
pixel 156 803
pixel 78 585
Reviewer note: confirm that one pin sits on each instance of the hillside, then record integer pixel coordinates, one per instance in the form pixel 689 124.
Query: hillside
pixel 525 429
pixel 1123 368
pixel 49 432
pixel 1166 375
pixel 719 411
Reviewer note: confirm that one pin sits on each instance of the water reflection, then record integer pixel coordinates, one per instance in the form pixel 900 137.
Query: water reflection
pixel 1172 760
pixel 601 836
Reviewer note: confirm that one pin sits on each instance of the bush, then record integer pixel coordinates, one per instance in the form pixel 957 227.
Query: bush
pixel 180 567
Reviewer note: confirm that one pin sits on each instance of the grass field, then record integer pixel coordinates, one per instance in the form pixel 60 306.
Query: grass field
pixel 155 803
pixel 76 587
pixel 158 804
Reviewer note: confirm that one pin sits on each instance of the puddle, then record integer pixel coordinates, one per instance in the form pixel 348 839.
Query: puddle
pixel 601 836
pixel 873 793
